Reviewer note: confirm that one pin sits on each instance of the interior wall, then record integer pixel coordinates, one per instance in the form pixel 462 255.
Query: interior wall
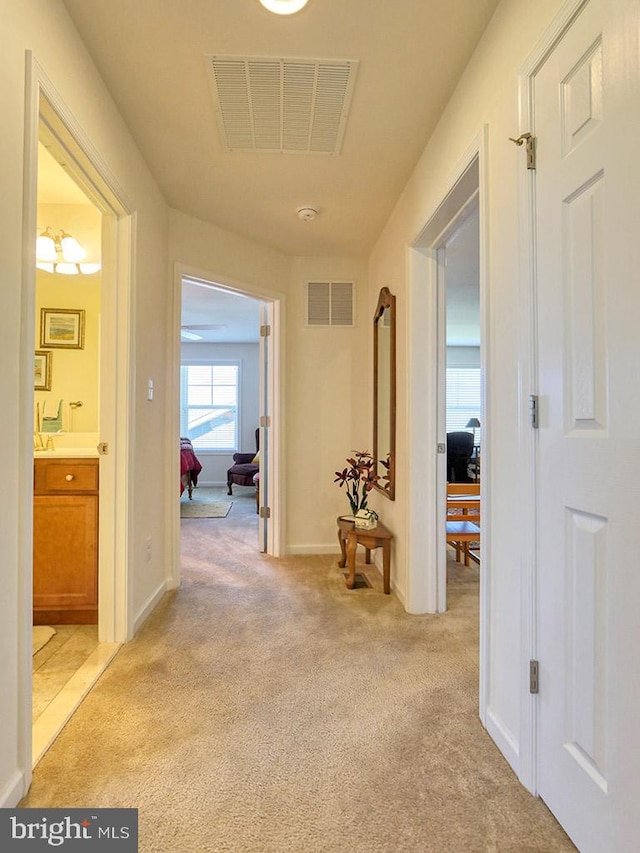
pixel 215 465
pixel 487 96
pixel 326 379
pixel 329 410
pixel 44 29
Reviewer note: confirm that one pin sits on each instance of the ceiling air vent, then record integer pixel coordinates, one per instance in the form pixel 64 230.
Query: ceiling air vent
pixel 330 303
pixel 278 105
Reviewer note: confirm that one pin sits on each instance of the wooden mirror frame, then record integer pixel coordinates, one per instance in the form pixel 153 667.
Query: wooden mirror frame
pixel 387 485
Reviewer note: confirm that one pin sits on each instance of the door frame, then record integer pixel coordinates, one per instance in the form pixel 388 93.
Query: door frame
pixel 44 105
pixel 527 385
pixel 275 460
pixel 426 582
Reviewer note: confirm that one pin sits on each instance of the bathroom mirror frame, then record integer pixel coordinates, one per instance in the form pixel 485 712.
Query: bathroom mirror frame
pixel 384 392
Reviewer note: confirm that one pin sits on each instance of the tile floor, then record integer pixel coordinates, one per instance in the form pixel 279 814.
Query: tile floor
pixel 64 671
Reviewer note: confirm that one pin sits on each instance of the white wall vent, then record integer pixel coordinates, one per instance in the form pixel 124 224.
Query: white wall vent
pixel 278 105
pixel 330 303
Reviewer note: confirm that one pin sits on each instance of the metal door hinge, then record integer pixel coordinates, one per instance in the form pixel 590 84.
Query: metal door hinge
pixel 529 141
pixel 265 512
pixel 265 331
pixel 534 414
pixel 442 448
pixel 103 448
pixel 265 421
pixel 534 682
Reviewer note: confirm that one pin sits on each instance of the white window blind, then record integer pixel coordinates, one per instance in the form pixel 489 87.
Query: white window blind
pixel 209 405
pixel 463 398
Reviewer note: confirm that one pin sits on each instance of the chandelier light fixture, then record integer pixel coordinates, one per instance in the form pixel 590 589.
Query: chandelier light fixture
pixel 284 7
pixel 59 252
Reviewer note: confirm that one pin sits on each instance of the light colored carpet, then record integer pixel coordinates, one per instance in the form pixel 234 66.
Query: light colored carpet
pixel 41 636
pixel 265 708
pixel 205 503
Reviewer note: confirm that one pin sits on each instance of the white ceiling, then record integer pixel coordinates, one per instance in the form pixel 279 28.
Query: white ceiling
pixel 218 316
pixel 410 55
pixel 54 184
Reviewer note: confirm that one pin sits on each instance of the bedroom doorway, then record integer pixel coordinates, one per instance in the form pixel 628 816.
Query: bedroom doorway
pixel 427 580
pixel 227 392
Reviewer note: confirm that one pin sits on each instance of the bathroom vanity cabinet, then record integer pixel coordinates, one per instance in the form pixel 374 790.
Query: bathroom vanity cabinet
pixel 65 541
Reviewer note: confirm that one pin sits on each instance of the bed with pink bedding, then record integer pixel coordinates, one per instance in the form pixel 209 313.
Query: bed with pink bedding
pixel 190 467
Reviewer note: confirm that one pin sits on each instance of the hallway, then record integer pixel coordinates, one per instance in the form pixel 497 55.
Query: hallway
pixel 263 707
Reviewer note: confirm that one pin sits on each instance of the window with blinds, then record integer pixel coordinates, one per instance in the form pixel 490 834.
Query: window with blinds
pixel 463 398
pixel 209 405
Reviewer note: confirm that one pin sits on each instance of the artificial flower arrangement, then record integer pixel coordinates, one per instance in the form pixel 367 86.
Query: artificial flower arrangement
pixel 359 478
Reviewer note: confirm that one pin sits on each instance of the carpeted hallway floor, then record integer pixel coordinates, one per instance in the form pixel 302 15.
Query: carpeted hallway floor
pixel 265 708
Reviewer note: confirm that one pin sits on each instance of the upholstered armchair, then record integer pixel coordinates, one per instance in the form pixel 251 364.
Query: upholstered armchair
pixel 244 468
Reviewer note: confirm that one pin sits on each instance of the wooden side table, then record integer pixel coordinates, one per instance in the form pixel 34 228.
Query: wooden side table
pixel 350 536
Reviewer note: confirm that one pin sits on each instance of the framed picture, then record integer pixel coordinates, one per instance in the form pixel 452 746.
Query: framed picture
pixel 42 371
pixel 62 327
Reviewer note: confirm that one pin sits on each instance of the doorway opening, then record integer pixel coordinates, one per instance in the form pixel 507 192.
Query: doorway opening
pixel 220 357
pixel 228 404
pixel 72 400
pixel 464 202
pixel 461 394
pixel 66 417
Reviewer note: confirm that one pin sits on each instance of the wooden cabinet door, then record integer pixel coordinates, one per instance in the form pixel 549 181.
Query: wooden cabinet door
pixel 65 564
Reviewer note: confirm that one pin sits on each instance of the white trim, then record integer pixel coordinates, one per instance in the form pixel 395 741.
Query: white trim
pixel 503 738
pixel 25 428
pixel 422 384
pixel 486 494
pixel 528 384
pixel 312 550
pixel 276 528
pixel 152 601
pixel 14 790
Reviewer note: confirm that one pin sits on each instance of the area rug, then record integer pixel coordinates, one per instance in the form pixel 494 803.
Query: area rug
pixel 41 636
pixel 206 503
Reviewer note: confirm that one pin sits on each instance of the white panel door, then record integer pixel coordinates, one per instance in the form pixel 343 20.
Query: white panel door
pixel 588 460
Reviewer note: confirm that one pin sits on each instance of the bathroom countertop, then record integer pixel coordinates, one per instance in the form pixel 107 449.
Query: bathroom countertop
pixel 67 453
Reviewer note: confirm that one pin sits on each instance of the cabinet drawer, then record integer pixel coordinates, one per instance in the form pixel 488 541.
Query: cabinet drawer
pixel 65 475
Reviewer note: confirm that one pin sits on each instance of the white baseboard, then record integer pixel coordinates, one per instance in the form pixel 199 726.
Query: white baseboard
pixel 503 739
pixel 150 605
pixel 13 791
pixel 310 550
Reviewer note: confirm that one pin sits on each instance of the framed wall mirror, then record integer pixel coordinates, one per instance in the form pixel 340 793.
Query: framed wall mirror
pixel 384 393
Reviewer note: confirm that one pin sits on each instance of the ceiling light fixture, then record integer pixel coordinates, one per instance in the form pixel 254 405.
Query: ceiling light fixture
pixel 284 7
pixel 59 252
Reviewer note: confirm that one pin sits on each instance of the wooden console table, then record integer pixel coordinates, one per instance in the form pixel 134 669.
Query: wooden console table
pixel 350 536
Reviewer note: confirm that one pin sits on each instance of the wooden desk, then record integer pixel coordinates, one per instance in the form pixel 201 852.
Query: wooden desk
pixel 350 536
pixel 465 503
